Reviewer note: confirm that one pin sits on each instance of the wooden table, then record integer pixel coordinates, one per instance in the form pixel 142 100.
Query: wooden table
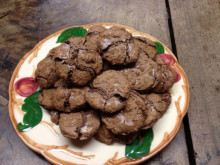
pixel 189 28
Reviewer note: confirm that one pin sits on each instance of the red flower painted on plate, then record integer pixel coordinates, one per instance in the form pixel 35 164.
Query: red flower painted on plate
pixel 167 58
pixel 25 86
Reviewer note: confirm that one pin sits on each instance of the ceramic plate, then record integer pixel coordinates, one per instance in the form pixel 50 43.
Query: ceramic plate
pixel 46 138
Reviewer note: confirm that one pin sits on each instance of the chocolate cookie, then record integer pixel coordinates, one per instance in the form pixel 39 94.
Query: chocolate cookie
pixel 54 116
pixel 144 74
pixel 121 53
pixel 63 99
pixel 108 91
pixel 79 125
pixel 168 76
pixel 129 120
pixel 146 46
pixel 76 63
pixel 118 46
pixel 45 74
pixel 156 106
pixel 93 36
pixel 126 139
pixel 112 36
pixel 60 83
pixel 104 135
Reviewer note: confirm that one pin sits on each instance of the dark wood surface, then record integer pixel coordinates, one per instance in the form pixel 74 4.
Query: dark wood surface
pixel 196 28
pixel 190 28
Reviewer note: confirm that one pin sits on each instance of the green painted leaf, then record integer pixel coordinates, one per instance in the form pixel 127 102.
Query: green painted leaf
pixel 160 48
pixel 141 146
pixel 76 32
pixel 33 113
pixel 32 97
pixel 23 127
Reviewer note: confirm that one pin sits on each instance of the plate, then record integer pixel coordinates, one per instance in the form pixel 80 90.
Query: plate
pixel 46 138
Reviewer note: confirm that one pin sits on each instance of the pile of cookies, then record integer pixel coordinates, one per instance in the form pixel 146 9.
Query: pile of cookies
pixel 109 84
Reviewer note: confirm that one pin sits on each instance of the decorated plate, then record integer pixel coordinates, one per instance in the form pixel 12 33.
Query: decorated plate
pixel 33 125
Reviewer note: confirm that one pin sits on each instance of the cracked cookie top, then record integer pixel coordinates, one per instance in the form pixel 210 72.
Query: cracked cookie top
pixel 168 76
pixel 63 99
pixel 156 106
pixel 146 46
pixel 93 36
pixel 45 74
pixel 108 91
pixel 118 46
pixel 76 63
pixel 144 74
pixel 108 73
pixel 130 119
pixel 79 125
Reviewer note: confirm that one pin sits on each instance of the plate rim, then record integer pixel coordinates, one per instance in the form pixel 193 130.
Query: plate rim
pixel 139 160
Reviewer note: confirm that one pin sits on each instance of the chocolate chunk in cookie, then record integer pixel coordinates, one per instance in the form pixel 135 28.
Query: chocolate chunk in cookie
pixel 109 90
pixel 156 106
pixel 79 125
pixel 144 74
pixel 130 119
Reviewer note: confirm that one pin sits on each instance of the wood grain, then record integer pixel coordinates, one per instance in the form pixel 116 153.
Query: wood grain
pixel 196 29
pixel 24 23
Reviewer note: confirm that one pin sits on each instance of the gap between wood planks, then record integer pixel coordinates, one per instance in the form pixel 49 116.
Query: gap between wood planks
pixel 191 153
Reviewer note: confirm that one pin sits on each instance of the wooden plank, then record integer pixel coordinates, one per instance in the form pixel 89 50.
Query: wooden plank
pixel 23 24
pixel 196 29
